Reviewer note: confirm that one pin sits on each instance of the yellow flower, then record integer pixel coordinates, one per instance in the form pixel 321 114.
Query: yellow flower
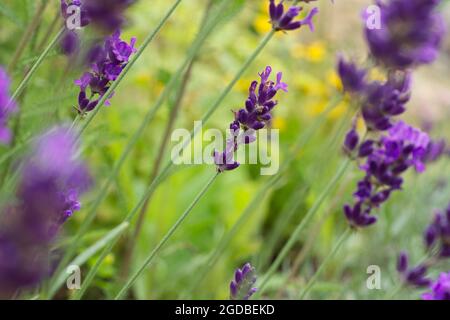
pixel 143 79
pixel 339 110
pixel 262 24
pixel 376 74
pixel 334 80
pixel 315 52
pixel 279 123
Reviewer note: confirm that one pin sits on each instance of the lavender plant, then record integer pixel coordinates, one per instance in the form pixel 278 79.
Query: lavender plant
pixel 52 179
pixel 241 287
pixel 437 249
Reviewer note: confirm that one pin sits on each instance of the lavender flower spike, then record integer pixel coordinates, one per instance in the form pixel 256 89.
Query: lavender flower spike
pixel 51 180
pixel 410 34
pixel 110 61
pixel 241 287
pixel 284 21
pixel 6 107
pixel 256 114
pixel 440 290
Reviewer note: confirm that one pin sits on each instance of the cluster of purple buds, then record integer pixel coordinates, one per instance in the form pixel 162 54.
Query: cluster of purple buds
pixel 108 15
pixel 255 116
pixel 242 286
pixel 284 21
pixel 437 245
pixel 384 162
pixel 436 149
pixel 410 34
pixel 380 101
pixel 437 234
pixel 413 276
pixel 109 62
pixel 440 289
pixel 7 106
pixel 51 179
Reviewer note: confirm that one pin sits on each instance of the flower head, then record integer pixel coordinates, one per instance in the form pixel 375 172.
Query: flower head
pixel 437 234
pixel 352 78
pixel 284 21
pixel 385 160
pixel 410 34
pixel 109 62
pixel 241 287
pixel 440 290
pixel 256 114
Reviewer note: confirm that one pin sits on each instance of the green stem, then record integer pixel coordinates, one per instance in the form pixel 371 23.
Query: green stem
pixel 167 236
pixel 27 35
pixel 295 235
pixel 93 271
pixel 36 65
pixel 133 141
pixel 130 64
pixel 330 255
pixel 301 142
pixel 81 259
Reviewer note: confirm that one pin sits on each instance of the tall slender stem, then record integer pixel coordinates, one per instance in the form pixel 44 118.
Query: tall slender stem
pixel 27 34
pixel 166 237
pixel 300 143
pixel 196 45
pixel 294 237
pixel 330 255
pixel 128 256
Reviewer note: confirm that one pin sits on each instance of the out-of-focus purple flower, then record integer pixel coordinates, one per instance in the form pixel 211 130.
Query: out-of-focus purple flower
pixel 415 276
pixel 383 101
pixel 437 234
pixel 51 180
pixel 284 20
pixel 7 106
pixel 107 14
pixel 385 160
pixel 242 286
pixel 436 149
pixel 410 34
pixel 70 43
pixel 440 290
pixel 256 114
pixel 437 246
pixel 352 78
pixel 109 62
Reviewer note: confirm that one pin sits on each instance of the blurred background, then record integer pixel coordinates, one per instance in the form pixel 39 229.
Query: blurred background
pixel 260 226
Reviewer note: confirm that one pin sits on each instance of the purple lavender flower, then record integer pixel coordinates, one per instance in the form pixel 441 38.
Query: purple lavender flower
pixel 411 33
pixel 437 245
pixel 107 14
pixel 241 287
pixel 352 78
pixel 284 21
pixel 256 114
pixel 415 276
pixel 440 290
pixel 51 180
pixel 383 101
pixel 109 62
pixel 436 149
pixel 6 107
pixel 385 161
pixel 437 234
